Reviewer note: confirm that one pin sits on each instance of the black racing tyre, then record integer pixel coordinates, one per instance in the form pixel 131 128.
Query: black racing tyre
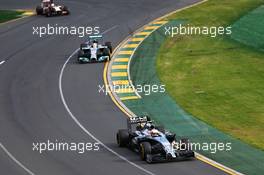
pixel 65 9
pixel 59 13
pixel 39 10
pixel 80 53
pixel 122 137
pixel 48 14
pixel 145 149
pixel 109 45
pixel 83 45
pixel 106 52
pixel 50 11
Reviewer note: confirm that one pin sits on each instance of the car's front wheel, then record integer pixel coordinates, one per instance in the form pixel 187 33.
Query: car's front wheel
pixel 145 149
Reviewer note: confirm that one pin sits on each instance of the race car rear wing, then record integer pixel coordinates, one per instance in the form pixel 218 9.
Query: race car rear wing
pixel 137 120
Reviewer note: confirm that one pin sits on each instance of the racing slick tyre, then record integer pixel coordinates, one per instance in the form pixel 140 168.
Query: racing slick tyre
pixel 66 10
pixel 39 10
pixel 107 52
pixel 109 45
pixel 122 137
pixel 145 149
pixel 48 14
pixel 59 13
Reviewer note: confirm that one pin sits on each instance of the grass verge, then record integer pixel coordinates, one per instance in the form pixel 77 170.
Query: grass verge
pixel 218 80
pixel 7 15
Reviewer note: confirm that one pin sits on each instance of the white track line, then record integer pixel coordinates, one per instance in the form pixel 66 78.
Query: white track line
pixel 15 160
pixel 2 62
pixel 108 30
pixel 79 123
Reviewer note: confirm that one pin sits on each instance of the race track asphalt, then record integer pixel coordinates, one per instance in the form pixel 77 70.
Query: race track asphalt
pixel 31 108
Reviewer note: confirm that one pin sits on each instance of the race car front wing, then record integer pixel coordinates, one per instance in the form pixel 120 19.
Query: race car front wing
pixel 180 155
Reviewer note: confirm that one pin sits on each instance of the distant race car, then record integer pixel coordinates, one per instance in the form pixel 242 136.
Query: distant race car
pixel 48 8
pixel 93 51
pixel 154 144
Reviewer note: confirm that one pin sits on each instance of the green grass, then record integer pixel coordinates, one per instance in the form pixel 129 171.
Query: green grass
pixel 218 80
pixel 7 15
pixel 249 29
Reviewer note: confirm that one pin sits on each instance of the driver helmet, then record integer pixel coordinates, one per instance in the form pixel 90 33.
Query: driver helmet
pixel 150 126
pixel 140 126
pixel 95 44
pixel 154 132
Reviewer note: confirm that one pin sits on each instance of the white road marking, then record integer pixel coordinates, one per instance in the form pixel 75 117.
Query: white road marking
pixel 15 160
pixel 2 62
pixel 108 30
pixel 79 123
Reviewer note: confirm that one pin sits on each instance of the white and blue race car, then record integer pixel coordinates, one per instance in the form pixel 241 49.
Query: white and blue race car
pixel 94 51
pixel 154 144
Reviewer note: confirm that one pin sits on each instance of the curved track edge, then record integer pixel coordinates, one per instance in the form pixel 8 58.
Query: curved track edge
pixel 118 101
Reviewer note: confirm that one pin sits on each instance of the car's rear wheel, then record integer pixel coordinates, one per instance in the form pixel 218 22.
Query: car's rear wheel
pixel 48 14
pixel 106 52
pixel 145 149
pixel 39 10
pixel 65 10
pixel 122 137
pixel 109 46
pixel 59 13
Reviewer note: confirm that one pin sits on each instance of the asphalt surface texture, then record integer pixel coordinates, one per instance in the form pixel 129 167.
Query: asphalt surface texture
pixel 31 105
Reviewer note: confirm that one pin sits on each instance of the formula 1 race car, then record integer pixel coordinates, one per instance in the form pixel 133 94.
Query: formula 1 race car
pixel 154 144
pixel 48 8
pixel 93 51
